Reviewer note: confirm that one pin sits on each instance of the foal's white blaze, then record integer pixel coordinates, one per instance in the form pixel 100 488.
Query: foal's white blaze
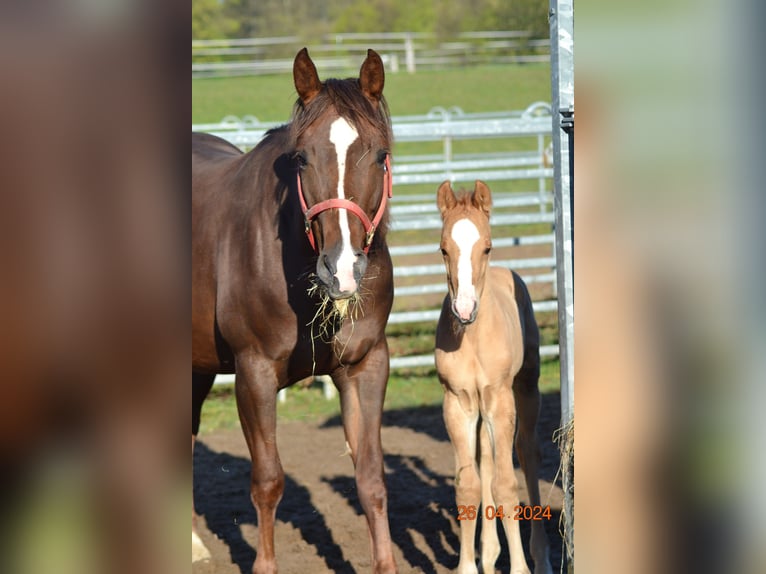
pixel 465 234
pixel 342 135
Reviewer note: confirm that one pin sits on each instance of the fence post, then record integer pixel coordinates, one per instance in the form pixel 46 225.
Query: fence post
pixel 562 88
pixel 409 53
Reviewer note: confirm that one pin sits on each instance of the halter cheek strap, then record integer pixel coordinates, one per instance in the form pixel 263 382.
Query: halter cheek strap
pixel 309 214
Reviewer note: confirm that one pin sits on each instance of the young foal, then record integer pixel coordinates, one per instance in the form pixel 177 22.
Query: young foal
pixel 488 361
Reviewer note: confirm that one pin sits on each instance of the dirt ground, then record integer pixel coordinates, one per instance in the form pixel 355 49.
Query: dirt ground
pixel 320 525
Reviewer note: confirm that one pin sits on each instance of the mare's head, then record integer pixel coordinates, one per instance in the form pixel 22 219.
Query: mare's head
pixel 465 244
pixel 341 138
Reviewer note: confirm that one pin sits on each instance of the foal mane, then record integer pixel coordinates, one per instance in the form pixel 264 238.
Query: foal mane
pixel 464 200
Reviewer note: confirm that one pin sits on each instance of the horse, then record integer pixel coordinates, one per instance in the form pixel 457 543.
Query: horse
pixel 488 362
pixel 292 277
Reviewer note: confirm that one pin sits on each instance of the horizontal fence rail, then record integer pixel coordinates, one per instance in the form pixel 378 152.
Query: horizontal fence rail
pixel 335 53
pixel 418 265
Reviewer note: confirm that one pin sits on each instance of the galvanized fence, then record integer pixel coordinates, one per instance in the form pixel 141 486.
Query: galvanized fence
pixel 520 218
pixel 340 53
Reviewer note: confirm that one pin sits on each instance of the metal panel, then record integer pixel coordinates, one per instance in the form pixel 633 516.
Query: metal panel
pixel 562 84
pixel 562 80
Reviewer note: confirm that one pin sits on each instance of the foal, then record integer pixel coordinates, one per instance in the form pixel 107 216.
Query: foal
pixel 488 360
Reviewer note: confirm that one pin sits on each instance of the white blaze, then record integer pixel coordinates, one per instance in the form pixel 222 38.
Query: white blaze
pixel 465 235
pixel 342 135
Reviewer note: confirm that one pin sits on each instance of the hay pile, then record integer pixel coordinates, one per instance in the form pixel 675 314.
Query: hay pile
pixel 565 438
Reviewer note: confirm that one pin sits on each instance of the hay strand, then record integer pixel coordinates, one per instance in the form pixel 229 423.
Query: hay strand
pixel 330 315
pixel 564 436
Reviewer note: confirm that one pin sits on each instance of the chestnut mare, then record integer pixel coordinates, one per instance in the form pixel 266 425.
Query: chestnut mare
pixel 488 360
pixel 300 218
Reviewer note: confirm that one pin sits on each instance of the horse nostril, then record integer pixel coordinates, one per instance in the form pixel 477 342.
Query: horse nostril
pixel 329 265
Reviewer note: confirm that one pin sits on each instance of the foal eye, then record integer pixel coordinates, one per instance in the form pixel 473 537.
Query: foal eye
pixel 444 252
pixel 487 250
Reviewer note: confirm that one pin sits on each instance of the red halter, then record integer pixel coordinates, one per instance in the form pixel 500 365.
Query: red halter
pixel 336 203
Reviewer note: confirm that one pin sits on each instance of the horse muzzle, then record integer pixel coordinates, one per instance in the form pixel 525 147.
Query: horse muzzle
pixel 341 273
pixel 465 310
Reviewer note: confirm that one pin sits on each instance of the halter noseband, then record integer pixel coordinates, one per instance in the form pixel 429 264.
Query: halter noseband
pixel 369 226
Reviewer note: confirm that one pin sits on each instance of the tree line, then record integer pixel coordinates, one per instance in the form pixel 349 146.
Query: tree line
pixel 212 19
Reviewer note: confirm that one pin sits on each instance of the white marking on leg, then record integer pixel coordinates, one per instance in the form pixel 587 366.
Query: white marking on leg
pixel 342 135
pixel 199 551
pixel 465 235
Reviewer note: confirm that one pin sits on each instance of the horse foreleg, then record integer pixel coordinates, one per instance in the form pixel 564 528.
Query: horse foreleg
pixel 490 544
pixel 363 390
pixel 527 398
pixel 256 392
pixel 498 412
pixel 461 425
pixel 201 385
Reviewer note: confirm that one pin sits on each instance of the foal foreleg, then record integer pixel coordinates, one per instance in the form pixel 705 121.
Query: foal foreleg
pixel 497 409
pixel 462 428
pixel 490 544
pixel 527 398
pixel 256 391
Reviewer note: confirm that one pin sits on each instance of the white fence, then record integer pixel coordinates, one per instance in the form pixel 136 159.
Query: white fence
pixel 422 280
pixel 343 52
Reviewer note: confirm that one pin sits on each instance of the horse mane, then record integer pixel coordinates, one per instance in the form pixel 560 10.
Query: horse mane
pixel 351 104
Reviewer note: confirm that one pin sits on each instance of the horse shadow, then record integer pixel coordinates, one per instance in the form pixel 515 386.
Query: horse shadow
pixel 419 501
pixel 422 508
pixel 223 499
pixel 428 420
pixel 423 501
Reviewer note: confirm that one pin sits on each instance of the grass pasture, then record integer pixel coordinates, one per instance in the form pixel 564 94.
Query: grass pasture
pixel 477 89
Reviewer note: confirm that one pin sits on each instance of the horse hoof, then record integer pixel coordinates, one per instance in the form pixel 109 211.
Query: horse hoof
pixel 199 551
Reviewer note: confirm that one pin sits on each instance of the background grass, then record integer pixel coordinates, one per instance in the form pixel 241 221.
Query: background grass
pixel 476 89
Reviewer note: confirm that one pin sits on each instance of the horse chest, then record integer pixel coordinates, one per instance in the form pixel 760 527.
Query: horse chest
pixel 474 366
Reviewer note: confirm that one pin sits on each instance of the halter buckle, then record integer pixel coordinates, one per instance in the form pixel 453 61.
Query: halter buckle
pixel 369 236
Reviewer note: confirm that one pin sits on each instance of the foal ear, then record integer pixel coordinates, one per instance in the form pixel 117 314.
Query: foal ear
pixel 445 198
pixel 305 76
pixel 482 197
pixel 372 77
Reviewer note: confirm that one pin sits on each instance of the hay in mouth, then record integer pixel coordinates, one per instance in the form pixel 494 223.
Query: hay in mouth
pixel 330 315
pixel 332 312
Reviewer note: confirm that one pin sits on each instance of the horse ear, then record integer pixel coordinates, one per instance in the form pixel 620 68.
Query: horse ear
pixel 372 77
pixel 482 197
pixel 445 198
pixel 305 76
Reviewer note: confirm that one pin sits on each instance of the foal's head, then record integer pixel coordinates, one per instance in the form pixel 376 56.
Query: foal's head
pixel 341 133
pixel 465 245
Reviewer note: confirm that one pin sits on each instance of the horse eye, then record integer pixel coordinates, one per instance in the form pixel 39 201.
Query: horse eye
pixel 487 250
pixel 382 157
pixel 444 252
pixel 299 157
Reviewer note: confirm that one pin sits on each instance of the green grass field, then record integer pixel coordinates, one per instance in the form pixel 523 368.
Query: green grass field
pixel 477 89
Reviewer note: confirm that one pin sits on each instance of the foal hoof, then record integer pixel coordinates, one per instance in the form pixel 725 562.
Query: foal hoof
pixel 199 551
